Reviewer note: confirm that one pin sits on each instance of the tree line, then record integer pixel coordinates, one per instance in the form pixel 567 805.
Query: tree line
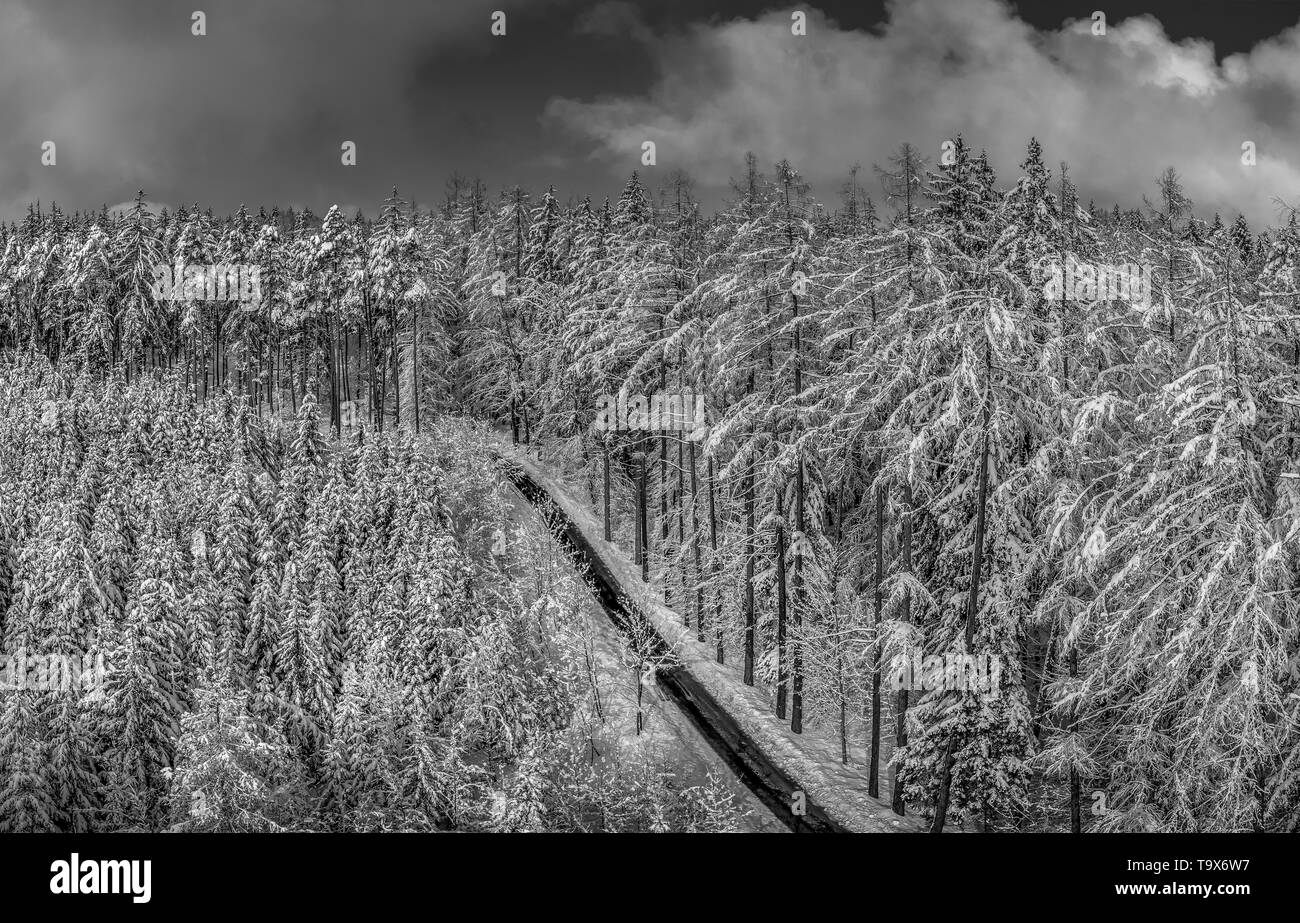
pixel 295 635
pixel 915 445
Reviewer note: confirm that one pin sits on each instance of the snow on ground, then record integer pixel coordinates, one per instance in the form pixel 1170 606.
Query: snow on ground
pixel 667 733
pixel 811 758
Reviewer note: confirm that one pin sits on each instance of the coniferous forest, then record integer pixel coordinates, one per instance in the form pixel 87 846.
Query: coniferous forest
pixel 932 427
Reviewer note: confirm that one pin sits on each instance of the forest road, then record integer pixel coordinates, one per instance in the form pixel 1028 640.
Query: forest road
pixel 752 767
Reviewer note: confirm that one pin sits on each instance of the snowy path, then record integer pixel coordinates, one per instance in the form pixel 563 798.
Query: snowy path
pixel 773 761
pixel 668 732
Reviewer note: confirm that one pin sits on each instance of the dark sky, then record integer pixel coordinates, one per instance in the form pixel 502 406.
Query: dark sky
pixel 256 110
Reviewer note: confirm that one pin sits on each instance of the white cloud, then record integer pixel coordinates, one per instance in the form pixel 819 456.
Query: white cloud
pixel 1118 107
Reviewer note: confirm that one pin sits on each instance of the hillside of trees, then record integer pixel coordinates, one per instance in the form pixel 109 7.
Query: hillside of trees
pixel 911 448
pixel 296 636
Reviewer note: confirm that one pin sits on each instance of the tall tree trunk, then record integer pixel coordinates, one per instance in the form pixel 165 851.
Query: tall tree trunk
pixel 796 642
pixel 415 369
pixel 945 789
pixel 873 772
pixel 347 366
pixel 681 526
pixel 1076 814
pixel 695 547
pixel 644 507
pixel 609 535
pixel 841 689
pixel 750 551
pixel 293 381
pixel 397 374
pixel 356 365
pixel 715 567
pixel 663 514
pixel 331 364
pixel 523 405
pixel 781 614
pixel 796 704
pixel 900 718
pixel 638 550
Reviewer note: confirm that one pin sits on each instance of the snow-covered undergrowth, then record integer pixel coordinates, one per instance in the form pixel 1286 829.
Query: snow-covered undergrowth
pixel 812 759
pixel 297 634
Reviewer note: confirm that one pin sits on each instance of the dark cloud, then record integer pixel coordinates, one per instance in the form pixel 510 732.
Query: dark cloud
pixel 614 18
pixel 256 110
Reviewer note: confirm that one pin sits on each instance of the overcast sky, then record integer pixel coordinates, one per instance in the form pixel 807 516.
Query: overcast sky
pixel 256 110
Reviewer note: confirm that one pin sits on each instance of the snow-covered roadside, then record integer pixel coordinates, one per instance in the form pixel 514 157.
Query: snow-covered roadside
pixel 668 734
pixel 810 759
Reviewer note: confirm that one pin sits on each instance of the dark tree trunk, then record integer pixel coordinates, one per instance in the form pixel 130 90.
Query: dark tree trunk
pixel 644 507
pixel 716 567
pixel 900 718
pixel 781 615
pixel 750 551
pixel 663 517
pixel 681 525
pixel 1076 815
pixel 397 375
pixel 609 535
pixel 796 691
pixel 873 776
pixel 695 547
pixel 637 550
pixel 415 369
